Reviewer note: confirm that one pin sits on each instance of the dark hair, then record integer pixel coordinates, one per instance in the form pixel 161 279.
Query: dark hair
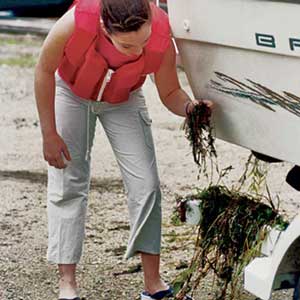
pixel 125 15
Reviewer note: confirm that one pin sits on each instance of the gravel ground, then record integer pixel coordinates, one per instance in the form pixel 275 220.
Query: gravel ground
pixel 102 273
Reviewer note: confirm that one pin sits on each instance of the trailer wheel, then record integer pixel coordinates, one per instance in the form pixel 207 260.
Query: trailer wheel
pixel 296 295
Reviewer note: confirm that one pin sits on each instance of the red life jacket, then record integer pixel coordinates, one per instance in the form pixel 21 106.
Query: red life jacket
pixel 83 67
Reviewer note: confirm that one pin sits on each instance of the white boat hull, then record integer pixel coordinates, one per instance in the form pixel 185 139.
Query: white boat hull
pixel 239 55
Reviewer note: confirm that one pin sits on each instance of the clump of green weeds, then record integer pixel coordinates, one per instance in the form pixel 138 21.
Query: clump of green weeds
pixel 200 134
pixel 233 224
pixel 230 234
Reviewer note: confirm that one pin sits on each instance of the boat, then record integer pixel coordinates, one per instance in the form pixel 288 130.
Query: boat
pixel 244 56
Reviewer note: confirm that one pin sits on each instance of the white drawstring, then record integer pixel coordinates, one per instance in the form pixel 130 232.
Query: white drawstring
pixel 87 153
pixel 106 79
pixel 92 108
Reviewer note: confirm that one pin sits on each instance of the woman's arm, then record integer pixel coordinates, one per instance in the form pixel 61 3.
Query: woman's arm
pixel 44 84
pixel 170 92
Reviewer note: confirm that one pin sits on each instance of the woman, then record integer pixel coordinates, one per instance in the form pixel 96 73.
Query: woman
pixel 92 65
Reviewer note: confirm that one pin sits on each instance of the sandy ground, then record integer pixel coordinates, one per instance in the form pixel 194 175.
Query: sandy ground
pixel 103 274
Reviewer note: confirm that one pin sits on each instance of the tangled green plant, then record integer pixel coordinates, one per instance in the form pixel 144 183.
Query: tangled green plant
pixel 200 134
pixel 233 224
pixel 230 232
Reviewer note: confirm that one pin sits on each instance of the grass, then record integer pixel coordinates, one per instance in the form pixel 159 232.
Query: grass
pixel 28 58
pixel 24 61
pixel 7 40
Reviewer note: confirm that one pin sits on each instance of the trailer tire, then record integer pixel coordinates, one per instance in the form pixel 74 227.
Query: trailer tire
pixel 296 295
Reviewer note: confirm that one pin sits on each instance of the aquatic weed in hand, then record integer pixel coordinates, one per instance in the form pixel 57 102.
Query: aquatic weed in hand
pixel 199 132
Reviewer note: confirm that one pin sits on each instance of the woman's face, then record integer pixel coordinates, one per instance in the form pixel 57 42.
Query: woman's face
pixel 132 43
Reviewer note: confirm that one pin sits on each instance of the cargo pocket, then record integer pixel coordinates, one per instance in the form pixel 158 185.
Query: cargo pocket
pixel 146 125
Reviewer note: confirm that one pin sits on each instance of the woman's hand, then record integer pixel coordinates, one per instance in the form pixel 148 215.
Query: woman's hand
pixel 191 104
pixel 55 150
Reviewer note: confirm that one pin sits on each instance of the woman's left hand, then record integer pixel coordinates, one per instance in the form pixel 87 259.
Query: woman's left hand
pixel 193 103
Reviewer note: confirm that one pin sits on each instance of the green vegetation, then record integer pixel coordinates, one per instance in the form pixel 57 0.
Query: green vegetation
pixel 200 134
pixel 23 61
pixel 20 40
pixel 230 235
pixel 19 50
pixel 234 223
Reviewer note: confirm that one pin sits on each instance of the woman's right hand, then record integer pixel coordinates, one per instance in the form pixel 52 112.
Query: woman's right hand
pixel 55 150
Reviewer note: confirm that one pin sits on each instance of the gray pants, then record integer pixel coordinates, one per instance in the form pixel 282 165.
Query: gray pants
pixel 128 128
